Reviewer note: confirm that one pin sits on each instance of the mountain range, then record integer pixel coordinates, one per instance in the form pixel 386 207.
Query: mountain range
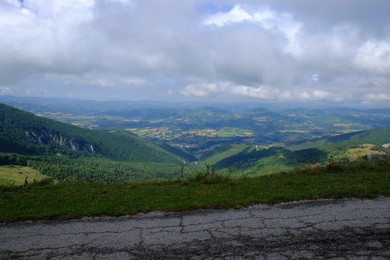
pixel 26 134
pixel 66 151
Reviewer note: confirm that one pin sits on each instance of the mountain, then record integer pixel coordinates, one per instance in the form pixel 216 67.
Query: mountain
pixel 201 127
pixel 255 160
pixel 25 133
pixel 379 136
pixel 65 152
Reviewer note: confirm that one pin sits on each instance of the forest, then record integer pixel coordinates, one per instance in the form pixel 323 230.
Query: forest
pixel 66 152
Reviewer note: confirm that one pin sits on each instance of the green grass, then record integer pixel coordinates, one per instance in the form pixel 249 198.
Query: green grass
pixel 374 136
pixel 268 165
pixel 233 150
pixel 77 199
pixel 19 175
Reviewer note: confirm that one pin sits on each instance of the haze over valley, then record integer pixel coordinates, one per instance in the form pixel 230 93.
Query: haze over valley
pixel 242 87
pixel 198 128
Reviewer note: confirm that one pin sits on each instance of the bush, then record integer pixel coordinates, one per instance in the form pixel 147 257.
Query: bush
pixel 208 176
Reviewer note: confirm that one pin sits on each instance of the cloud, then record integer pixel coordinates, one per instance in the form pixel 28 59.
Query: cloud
pixel 41 36
pixel 236 14
pixel 370 17
pixel 93 79
pixel 269 50
pixel 5 90
pixel 269 93
pixel 276 23
pixel 261 92
pixel 374 56
pixel 377 97
pixel 206 90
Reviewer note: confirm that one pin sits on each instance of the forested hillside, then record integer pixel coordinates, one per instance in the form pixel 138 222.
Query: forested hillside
pixel 255 160
pixel 63 151
pixel 380 136
pixel 24 133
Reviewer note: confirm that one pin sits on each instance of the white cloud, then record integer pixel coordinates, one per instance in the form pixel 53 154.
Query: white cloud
pixel 42 36
pixel 322 95
pixel 5 90
pixel 96 79
pixel 275 94
pixel 205 90
pixel 374 56
pixel 315 77
pixel 277 23
pixel 307 95
pixel 261 92
pixel 58 9
pixel 36 91
pixel 271 50
pixel 236 14
pixel 375 97
pixel 134 81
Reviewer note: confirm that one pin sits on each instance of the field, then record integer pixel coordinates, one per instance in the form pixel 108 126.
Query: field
pixel 164 133
pixel 19 175
pixel 219 155
pixel 360 151
pixel 67 200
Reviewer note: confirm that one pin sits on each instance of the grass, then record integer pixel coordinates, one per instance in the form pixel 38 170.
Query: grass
pixel 19 175
pixel 78 199
pixel 268 165
pixel 235 149
pixel 355 153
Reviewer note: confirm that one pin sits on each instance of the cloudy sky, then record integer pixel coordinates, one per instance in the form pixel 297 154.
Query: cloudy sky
pixel 313 51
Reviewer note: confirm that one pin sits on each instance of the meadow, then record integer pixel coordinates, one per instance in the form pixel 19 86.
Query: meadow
pixel 13 175
pixel 208 189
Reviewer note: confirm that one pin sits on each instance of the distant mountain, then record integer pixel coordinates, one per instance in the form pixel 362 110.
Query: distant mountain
pixel 250 159
pixel 25 133
pixel 379 136
pixel 200 129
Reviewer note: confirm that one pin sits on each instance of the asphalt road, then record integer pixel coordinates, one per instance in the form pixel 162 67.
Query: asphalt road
pixel 348 228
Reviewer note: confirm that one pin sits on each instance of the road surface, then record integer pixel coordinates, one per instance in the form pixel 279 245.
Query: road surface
pixel 347 228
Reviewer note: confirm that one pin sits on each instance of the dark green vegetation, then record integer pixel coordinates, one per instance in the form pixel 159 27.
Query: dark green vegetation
pixel 374 136
pixel 254 160
pixel 198 129
pixel 23 132
pixel 65 152
pixel 206 190
pixel 199 158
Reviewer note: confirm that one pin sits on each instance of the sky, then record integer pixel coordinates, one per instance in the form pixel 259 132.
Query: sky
pixel 283 51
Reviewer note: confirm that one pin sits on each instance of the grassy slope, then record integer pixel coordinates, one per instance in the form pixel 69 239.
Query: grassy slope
pixel 16 175
pixel 375 136
pixel 338 148
pixel 78 199
pixel 268 165
pixel 233 150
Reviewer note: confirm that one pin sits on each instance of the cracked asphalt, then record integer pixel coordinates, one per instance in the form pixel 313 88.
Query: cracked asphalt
pixel 339 229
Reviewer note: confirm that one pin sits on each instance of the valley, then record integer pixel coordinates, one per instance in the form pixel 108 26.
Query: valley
pixel 150 141
pixel 190 158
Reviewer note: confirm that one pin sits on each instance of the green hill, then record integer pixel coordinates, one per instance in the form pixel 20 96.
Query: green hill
pixel 253 160
pixel 63 151
pixel 378 136
pixel 375 136
pixel 25 133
